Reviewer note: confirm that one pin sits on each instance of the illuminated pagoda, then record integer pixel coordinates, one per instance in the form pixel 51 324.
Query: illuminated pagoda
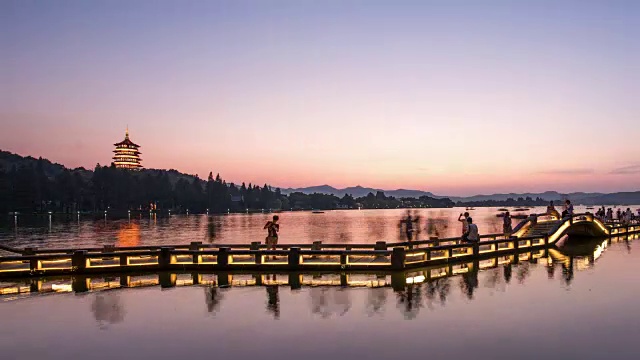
pixel 126 154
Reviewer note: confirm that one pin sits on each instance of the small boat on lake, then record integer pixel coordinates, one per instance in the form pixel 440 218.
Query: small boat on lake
pixel 317 212
pixel 503 209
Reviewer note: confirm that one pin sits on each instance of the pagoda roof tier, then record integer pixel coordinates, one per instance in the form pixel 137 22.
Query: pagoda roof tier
pixel 127 151
pixel 127 142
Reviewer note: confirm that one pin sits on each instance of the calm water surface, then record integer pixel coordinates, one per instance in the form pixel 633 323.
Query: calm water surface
pixel 532 310
pixel 580 302
pixel 350 226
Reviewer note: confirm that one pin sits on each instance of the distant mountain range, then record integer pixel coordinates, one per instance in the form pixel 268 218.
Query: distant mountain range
pixel 359 191
pixel 576 197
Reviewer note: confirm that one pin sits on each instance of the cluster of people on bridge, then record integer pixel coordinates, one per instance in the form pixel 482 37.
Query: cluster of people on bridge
pixel 625 217
pixel 470 231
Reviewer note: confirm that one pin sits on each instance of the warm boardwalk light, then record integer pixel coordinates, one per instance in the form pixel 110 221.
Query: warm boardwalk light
pixel 126 154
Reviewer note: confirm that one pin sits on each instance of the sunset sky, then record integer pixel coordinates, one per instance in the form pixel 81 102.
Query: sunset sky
pixel 452 97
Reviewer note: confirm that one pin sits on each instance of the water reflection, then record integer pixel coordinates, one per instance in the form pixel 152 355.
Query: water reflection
pixel 469 281
pixel 376 299
pixel 330 294
pixel 212 229
pixel 410 301
pixel 273 301
pixel 327 302
pixel 107 309
pixel 212 298
pixel 439 288
pixel 366 226
pixel 128 235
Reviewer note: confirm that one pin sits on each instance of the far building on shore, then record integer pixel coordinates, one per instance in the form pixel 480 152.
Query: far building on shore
pixel 126 155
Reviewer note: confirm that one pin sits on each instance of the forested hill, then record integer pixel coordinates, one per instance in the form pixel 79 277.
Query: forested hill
pixel 38 185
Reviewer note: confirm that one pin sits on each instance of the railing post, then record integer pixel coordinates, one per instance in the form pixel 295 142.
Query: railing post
pixel 476 248
pixel 294 257
pixel 398 258
pixel 164 258
pixel 35 285
pixel 124 260
pixel 35 265
pixel 257 257
pixel 167 279
pixel 344 260
pixel 79 261
pixel 380 245
pixel 223 256
pixel 317 245
pixel 195 245
pixel 398 281
pixel 196 278
pixel 80 284
pixel 344 280
pixel 224 279
pixel 295 281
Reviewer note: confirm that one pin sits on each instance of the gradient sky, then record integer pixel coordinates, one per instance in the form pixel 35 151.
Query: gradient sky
pixel 453 97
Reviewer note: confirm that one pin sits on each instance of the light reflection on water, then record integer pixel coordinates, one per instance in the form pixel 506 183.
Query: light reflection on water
pixel 352 226
pixel 579 302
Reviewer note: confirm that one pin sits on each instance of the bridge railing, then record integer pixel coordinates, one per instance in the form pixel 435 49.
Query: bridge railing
pixel 196 256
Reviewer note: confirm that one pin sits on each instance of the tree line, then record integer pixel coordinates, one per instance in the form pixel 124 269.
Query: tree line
pixel 509 202
pixel 36 186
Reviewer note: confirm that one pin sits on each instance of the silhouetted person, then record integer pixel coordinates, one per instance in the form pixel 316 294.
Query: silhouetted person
pixel 408 223
pixel 272 232
pixel 551 210
pixel 411 225
pixel 463 218
pixel 506 224
pixel 568 211
pixel 472 234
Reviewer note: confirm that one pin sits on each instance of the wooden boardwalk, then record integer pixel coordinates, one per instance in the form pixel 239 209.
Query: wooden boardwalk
pixel 398 280
pixel 380 256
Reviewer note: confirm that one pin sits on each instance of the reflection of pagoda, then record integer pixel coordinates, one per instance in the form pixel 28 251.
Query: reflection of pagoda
pixel 127 155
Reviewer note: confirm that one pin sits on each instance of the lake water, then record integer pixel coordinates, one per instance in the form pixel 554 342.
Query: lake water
pixel 532 310
pixel 580 302
pixel 346 226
